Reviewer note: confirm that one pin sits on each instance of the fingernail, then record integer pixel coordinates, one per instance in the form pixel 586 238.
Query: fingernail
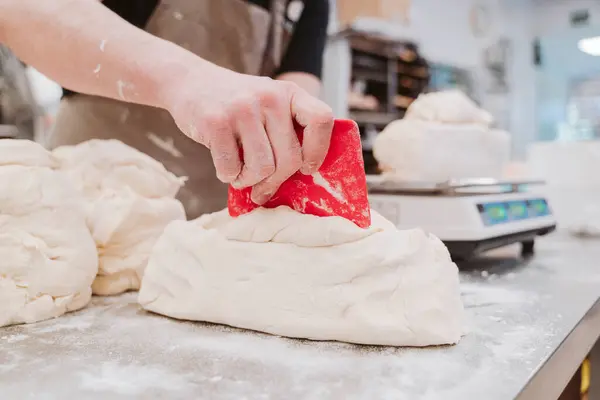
pixel 236 184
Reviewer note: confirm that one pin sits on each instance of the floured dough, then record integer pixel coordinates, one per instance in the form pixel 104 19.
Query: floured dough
pixel 296 275
pixel 130 200
pixel 448 107
pixel 443 136
pixel 48 259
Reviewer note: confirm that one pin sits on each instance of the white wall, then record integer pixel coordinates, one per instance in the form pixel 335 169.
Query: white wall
pixel 518 17
pixel 553 15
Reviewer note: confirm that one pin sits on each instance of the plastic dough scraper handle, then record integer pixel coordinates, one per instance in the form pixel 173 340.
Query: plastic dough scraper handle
pixel 339 188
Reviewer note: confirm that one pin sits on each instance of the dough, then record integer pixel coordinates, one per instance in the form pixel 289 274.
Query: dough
pixel 129 201
pixel 48 259
pixel 434 152
pixel 443 136
pixel 296 275
pixel 101 166
pixel 448 107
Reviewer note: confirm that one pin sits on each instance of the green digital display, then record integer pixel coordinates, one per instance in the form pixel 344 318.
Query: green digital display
pixel 494 213
pixel 498 213
pixel 540 207
pixel 518 210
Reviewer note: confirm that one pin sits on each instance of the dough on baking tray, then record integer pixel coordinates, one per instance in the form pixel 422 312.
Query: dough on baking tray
pixel 296 275
pixel 47 256
pixel 130 199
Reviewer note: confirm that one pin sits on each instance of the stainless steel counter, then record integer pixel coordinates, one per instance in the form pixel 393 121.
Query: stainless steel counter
pixel 530 325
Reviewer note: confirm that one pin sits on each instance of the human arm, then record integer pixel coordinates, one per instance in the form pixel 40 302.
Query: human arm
pixel 82 45
pixel 303 60
pixel 85 47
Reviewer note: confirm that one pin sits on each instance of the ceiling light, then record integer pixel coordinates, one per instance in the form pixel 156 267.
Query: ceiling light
pixel 590 45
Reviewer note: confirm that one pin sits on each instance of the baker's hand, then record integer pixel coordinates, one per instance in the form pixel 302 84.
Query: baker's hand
pixel 256 113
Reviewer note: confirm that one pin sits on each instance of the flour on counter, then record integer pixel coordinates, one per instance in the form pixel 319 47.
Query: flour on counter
pixel 507 342
pixel 481 294
pixel 80 324
pixel 13 338
pixel 132 379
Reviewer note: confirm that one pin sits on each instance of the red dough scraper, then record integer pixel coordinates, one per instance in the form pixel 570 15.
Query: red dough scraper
pixel 339 188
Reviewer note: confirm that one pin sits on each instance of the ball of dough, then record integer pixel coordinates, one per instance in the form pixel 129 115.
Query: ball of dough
pixel 448 106
pixel 295 275
pixel 129 201
pixel 48 259
pixel 443 136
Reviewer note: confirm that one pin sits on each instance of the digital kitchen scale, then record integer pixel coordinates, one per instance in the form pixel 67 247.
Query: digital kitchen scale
pixel 470 216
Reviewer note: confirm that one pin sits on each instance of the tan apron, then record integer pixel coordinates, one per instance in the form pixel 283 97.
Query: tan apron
pixel 234 34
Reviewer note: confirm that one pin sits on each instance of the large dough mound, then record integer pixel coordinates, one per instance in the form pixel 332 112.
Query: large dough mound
pixel 296 275
pixel 47 256
pixel 443 136
pixel 129 201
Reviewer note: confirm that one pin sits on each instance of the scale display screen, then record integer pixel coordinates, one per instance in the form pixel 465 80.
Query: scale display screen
pixel 515 210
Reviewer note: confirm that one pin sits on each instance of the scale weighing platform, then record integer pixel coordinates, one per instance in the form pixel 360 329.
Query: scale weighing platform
pixel 470 215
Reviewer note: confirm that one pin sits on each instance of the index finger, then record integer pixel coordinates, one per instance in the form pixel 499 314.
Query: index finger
pixel 317 119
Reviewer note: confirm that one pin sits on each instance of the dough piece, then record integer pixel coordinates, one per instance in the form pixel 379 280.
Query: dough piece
pixel 435 152
pixel 443 136
pixel 296 275
pixel 102 166
pixel 48 259
pixel 130 200
pixel 448 107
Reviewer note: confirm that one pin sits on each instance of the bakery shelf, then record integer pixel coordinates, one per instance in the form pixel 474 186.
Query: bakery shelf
pixel 374 117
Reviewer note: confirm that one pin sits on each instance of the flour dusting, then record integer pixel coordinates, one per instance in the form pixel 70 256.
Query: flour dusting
pixel 318 179
pixel 481 294
pixel 13 338
pixel 516 344
pixel 167 144
pixel 132 379
pixel 80 324
pixel 120 86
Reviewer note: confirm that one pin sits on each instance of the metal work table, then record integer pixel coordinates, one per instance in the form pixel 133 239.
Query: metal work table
pixel 530 325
